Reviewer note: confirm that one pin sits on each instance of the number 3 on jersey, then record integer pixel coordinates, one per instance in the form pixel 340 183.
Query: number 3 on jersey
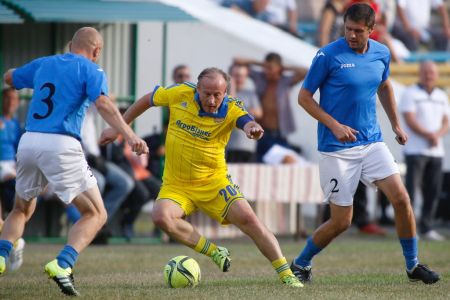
pixel 48 101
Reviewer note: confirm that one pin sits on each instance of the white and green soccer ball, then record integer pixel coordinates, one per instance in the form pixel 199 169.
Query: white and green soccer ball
pixel 182 271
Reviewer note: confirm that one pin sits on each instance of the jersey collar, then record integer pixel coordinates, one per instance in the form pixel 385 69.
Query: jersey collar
pixel 221 112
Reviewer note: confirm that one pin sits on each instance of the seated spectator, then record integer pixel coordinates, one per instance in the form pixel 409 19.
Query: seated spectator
pixel 146 186
pixel 240 148
pixel 280 13
pixel 413 24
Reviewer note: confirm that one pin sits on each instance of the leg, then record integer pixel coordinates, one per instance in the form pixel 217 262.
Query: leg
pixel 169 217
pixel 120 185
pixel 13 229
pixel 15 222
pixel 242 215
pixel 431 187
pixel 396 193
pixel 415 165
pixel 93 217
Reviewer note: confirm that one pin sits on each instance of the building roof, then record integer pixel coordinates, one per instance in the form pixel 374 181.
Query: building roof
pixel 89 11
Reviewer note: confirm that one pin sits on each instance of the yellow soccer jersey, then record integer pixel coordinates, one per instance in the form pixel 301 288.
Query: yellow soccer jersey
pixel 195 143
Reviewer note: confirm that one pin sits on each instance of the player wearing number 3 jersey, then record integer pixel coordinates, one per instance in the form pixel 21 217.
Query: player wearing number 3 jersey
pixel 50 150
pixel 195 177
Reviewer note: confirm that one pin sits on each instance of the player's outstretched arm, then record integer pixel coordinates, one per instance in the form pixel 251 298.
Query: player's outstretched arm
pixel 387 99
pixel 112 116
pixel 342 132
pixel 253 130
pixel 7 77
pixel 135 110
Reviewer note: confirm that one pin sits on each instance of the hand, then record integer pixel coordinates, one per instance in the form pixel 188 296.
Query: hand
pixel 138 145
pixel 400 136
pixel 108 136
pixel 345 133
pixel 253 130
pixel 433 139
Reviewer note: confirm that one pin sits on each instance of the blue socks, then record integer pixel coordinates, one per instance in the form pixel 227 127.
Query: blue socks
pixel 410 252
pixel 5 248
pixel 304 259
pixel 67 257
pixel 72 213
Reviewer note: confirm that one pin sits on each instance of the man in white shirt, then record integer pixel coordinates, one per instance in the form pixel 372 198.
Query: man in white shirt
pixel 413 24
pixel 426 112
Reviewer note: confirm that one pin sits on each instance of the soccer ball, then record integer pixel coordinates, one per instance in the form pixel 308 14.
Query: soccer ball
pixel 182 271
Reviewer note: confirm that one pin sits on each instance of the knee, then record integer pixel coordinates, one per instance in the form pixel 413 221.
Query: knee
pixel 341 225
pixel 162 220
pixel 401 200
pixel 102 217
pixel 249 221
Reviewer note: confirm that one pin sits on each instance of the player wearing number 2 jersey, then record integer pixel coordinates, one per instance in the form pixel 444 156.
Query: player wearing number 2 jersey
pixel 195 177
pixel 50 151
pixel 349 73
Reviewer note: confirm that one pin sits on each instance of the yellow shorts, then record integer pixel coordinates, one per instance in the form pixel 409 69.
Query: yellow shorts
pixel 213 199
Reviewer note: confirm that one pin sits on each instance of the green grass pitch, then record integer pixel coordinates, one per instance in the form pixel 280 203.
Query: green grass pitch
pixel 353 267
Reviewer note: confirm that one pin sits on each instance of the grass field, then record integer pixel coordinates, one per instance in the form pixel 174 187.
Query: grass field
pixel 353 267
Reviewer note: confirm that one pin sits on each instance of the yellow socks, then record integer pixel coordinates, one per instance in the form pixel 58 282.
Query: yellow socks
pixel 205 246
pixel 281 266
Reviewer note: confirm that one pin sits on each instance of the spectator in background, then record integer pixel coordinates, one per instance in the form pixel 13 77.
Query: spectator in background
pixel 115 183
pixel 273 86
pixel 279 13
pixel 240 148
pixel 426 112
pixel 156 141
pixel 10 133
pixel 413 24
pixel 181 73
pixel 331 25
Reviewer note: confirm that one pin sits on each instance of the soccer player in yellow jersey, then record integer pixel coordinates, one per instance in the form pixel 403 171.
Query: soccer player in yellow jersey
pixel 195 176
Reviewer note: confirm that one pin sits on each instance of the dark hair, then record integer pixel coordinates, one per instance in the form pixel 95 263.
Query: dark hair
pixel 361 12
pixel 230 69
pixel 274 57
pixel 210 72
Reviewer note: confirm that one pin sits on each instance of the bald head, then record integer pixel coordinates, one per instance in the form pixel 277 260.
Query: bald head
pixel 87 41
pixel 429 75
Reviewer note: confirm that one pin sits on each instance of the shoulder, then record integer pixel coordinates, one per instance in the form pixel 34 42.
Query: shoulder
pixel 379 48
pixel 236 104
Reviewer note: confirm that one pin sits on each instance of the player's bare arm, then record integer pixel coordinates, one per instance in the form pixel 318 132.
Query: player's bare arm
pixel 8 77
pixel 253 130
pixel 134 111
pixel 387 99
pixel 112 116
pixel 342 132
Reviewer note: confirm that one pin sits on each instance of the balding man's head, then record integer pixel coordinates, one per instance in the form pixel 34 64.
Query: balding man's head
pixel 429 75
pixel 87 41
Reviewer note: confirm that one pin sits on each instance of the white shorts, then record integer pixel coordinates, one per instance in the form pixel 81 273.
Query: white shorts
pixel 53 159
pixel 341 171
pixel 7 170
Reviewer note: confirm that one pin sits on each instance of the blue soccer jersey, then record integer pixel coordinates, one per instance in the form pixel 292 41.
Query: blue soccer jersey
pixel 64 85
pixel 348 83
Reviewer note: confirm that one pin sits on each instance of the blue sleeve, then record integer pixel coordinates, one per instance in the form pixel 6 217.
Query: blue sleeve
pixel 96 83
pixel 317 72
pixel 387 70
pixel 240 123
pixel 23 77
